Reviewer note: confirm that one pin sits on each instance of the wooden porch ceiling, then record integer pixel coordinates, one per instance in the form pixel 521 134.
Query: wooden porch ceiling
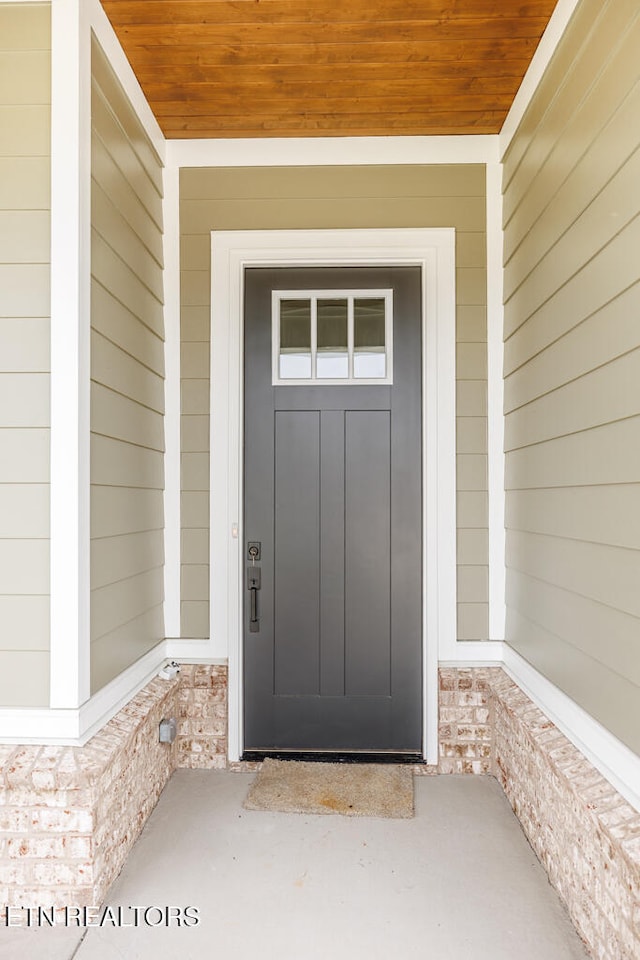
pixel 284 68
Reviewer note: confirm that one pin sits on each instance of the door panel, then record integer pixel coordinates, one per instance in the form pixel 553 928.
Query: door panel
pixel 367 510
pixel 333 493
pixel 297 552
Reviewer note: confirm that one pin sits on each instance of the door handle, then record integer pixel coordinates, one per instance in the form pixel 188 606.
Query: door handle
pixel 254 583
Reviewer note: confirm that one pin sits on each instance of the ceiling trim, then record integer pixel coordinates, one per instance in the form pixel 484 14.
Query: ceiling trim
pixel 540 61
pixel 331 151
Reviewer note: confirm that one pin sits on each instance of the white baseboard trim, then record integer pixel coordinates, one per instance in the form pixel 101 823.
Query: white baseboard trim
pixel 38 725
pixel 469 664
pixel 194 651
pixel 615 761
pixel 472 653
pixel 66 727
pixel 104 704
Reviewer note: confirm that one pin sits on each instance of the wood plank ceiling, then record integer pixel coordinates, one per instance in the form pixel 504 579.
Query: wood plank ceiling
pixel 280 68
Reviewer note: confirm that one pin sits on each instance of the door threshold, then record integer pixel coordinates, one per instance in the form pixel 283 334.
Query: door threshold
pixel 339 756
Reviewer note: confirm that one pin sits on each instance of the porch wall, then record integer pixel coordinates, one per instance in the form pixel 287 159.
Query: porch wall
pixel 336 197
pixel 572 366
pixel 25 204
pixel 69 815
pixel 127 383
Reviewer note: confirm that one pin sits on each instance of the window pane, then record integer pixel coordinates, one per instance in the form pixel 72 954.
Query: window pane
pixel 332 358
pixel 295 339
pixel 369 357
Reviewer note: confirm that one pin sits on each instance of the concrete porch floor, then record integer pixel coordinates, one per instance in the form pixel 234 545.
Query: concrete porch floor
pixel 458 882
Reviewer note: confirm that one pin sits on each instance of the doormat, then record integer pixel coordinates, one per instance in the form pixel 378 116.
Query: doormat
pixel 349 789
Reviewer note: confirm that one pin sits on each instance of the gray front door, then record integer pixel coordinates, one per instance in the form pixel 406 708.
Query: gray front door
pixel 332 498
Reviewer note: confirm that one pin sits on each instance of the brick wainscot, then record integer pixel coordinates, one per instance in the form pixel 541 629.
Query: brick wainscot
pixel 70 815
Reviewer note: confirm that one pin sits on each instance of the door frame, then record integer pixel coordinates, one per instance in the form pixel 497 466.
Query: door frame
pixel 433 250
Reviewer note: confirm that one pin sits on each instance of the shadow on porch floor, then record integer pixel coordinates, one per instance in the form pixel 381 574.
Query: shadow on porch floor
pixel 458 882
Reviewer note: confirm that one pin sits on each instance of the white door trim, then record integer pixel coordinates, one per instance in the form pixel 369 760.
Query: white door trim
pixel 433 250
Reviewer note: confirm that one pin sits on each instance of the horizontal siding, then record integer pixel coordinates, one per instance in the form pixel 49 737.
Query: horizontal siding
pixel 331 183
pixel 610 272
pixel 25 183
pixel 567 83
pixel 123 373
pixel 24 400
pixel 599 397
pixel 127 384
pixel 124 600
pixel 24 510
pixel 610 698
pixel 604 455
pixel 337 197
pixel 24 455
pixel 117 276
pixel 24 678
pixel 25 76
pixel 603 514
pixel 604 336
pixel 123 418
pixel 24 566
pixel 121 510
pixel 25 131
pixel 26 620
pixel 121 557
pixel 24 236
pixel 124 198
pixel 24 345
pixel 596 167
pixel 580 621
pixel 195 546
pixel 132 138
pixel 25 201
pixel 616 206
pixel 608 575
pixel 25 27
pixel 315 213
pixel 120 237
pixel 114 652
pixel 108 127
pixel 122 464
pixel 572 369
pixel 25 289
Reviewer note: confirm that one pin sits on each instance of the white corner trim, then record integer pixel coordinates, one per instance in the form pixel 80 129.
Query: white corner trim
pixel 495 404
pixel 434 251
pixel 106 37
pixel 615 761
pixel 549 41
pixel 70 353
pixel 332 151
pixel 172 454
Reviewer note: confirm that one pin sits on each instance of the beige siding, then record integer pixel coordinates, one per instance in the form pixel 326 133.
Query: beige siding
pixel 25 95
pixel 339 197
pixel 572 367
pixel 127 384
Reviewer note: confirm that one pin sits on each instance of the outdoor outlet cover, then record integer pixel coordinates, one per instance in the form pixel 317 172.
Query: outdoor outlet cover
pixel 168 730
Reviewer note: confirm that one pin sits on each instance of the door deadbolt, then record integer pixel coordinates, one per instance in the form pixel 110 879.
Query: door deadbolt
pixel 254 550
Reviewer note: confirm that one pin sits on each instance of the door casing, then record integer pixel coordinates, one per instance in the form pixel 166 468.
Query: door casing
pixel 433 250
